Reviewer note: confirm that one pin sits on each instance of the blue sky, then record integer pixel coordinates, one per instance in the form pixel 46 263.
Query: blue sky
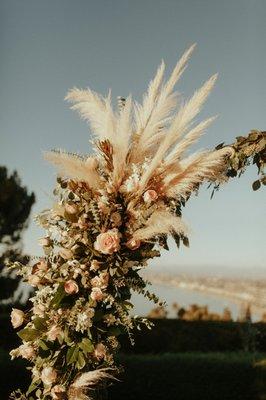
pixel 49 46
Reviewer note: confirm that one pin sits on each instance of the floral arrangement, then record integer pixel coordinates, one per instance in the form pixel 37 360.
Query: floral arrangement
pixel 114 212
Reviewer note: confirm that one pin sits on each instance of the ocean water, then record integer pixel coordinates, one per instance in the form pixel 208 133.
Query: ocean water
pixel 184 298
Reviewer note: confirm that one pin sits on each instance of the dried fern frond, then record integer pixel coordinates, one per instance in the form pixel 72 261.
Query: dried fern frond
pixel 87 381
pixel 75 167
pixel 160 222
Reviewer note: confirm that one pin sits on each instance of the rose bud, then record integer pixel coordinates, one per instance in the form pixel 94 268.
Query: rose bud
pixel 133 244
pixel 108 242
pixel 71 208
pixel 116 219
pixel 71 287
pixel 17 317
pixel 96 294
pixel 48 375
pixel 45 242
pixel 66 254
pixel 99 351
pixel 150 195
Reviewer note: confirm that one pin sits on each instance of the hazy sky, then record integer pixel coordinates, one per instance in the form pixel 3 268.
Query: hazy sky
pixel 49 46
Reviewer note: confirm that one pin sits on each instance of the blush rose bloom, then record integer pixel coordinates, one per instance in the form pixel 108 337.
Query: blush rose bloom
pixel 48 375
pixel 99 351
pixel 26 351
pixel 96 294
pixel 108 242
pixel 150 195
pixel 54 332
pixel 17 317
pixel 71 287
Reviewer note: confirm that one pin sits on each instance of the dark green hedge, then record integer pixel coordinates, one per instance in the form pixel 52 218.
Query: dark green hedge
pixel 183 376
pixel 190 376
pixel 173 336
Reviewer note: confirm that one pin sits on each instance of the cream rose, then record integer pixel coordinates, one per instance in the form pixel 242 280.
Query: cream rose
pixel 133 244
pixel 108 242
pixel 150 195
pixel 17 317
pixel 48 375
pixel 54 332
pixel 26 351
pixel 99 351
pixel 100 281
pixel 96 294
pixel 71 287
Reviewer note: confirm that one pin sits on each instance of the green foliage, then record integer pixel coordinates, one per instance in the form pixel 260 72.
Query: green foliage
pixel 15 207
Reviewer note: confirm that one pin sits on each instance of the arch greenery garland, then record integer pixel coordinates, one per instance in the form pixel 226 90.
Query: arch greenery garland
pixel 113 212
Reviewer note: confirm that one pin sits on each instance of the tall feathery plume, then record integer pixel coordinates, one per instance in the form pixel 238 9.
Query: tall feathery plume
pixel 114 212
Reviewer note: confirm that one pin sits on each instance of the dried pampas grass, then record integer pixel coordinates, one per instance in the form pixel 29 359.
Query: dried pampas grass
pixel 160 222
pixel 88 381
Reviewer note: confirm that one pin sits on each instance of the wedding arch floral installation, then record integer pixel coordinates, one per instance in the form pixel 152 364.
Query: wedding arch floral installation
pixel 114 212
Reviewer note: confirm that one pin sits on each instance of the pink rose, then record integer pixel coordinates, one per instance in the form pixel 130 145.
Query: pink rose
pixel 108 242
pixel 96 294
pixel 71 208
pixel 17 317
pixel 95 265
pixel 66 254
pixel 150 195
pixel 26 351
pixel 54 332
pixel 48 375
pixel 133 244
pixel 99 351
pixel 71 287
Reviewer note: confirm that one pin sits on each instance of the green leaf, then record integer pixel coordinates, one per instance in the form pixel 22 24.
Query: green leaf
pixel 114 331
pixel 81 361
pixel 43 345
pixel 32 387
pixel 40 323
pixel 28 334
pixel 59 295
pixel 72 354
pixel 86 346
pixel 256 185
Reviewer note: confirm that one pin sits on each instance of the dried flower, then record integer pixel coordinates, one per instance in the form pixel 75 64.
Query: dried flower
pixel 45 242
pixel 34 280
pixel 57 392
pixel 133 244
pixel 96 294
pixel 66 254
pixel 108 242
pixel 17 317
pixel 26 351
pixel 71 208
pixel 95 265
